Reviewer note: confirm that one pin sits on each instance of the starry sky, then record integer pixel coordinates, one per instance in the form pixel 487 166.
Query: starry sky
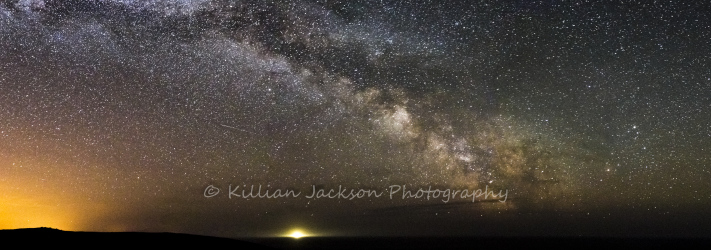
pixel 125 115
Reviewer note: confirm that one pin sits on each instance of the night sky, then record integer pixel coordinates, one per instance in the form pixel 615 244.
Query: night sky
pixel 591 116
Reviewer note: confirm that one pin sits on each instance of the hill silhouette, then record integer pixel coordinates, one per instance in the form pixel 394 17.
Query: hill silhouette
pixel 55 238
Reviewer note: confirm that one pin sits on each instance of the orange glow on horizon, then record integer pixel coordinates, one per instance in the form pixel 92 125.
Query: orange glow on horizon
pixel 27 213
pixel 32 199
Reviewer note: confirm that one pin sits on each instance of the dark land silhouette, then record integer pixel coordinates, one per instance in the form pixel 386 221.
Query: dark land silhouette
pixel 54 238
pixel 49 238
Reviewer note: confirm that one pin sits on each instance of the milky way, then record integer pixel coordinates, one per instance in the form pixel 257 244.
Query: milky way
pixel 116 115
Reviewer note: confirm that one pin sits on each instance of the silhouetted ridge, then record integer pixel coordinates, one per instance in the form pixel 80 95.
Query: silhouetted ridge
pixel 55 238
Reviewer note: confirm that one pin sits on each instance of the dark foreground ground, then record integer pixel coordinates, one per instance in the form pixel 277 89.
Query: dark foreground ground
pixel 46 238
pixel 51 238
pixel 482 243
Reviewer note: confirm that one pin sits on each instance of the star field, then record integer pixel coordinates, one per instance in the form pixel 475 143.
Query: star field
pixel 116 115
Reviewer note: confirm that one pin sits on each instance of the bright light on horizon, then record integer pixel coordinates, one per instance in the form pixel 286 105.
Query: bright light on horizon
pixel 296 234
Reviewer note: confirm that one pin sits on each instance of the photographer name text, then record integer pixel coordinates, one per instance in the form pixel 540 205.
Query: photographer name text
pixel 392 192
